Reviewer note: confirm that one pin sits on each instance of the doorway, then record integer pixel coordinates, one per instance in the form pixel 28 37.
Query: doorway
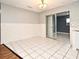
pixel 63 25
pixel 58 25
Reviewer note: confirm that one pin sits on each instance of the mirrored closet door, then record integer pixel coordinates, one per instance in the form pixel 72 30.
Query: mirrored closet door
pixel 51 26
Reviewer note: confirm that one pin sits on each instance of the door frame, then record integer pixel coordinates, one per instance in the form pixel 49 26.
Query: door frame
pixel 55 22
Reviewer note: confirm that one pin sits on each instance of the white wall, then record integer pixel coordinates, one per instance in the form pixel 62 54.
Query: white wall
pixel 18 24
pixel 74 16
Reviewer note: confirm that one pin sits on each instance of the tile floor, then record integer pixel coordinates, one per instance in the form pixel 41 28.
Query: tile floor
pixel 44 48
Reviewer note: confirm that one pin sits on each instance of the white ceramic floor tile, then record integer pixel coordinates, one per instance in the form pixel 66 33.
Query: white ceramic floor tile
pixel 22 54
pixel 43 48
pixel 52 57
pixel 52 51
pixel 71 54
pixel 30 51
pixel 40 51
pixel 39 57
pixel 34 54
pixel 9 45
pixel 27 57
pixel 78 57
pixel 58 56
pixel 46 55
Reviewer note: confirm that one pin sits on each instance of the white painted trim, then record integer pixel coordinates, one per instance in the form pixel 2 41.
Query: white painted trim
pixel 0 11
pixel 62 33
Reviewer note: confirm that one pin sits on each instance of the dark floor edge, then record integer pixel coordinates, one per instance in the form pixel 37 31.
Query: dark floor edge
pixel 12 51
pixel 67 52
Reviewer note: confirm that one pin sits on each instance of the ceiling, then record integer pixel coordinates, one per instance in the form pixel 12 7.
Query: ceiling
pixel 33 5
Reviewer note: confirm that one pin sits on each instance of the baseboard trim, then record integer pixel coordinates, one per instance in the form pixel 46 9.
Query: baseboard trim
pixel 62 33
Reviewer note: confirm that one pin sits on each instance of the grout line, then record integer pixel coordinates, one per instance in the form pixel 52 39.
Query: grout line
pixel 56 51
pixel 38 54
pixel 42 53
pixel 66 53
pixel 47 52
pixel 77 54
pixel 14 49
pixel 33 51
pixel 25 51
pixel 49 48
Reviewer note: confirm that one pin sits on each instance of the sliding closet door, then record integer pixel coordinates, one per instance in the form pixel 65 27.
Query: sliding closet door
pixel 50 26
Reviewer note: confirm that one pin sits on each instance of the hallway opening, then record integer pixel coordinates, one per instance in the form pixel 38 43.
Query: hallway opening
pixel 58 25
